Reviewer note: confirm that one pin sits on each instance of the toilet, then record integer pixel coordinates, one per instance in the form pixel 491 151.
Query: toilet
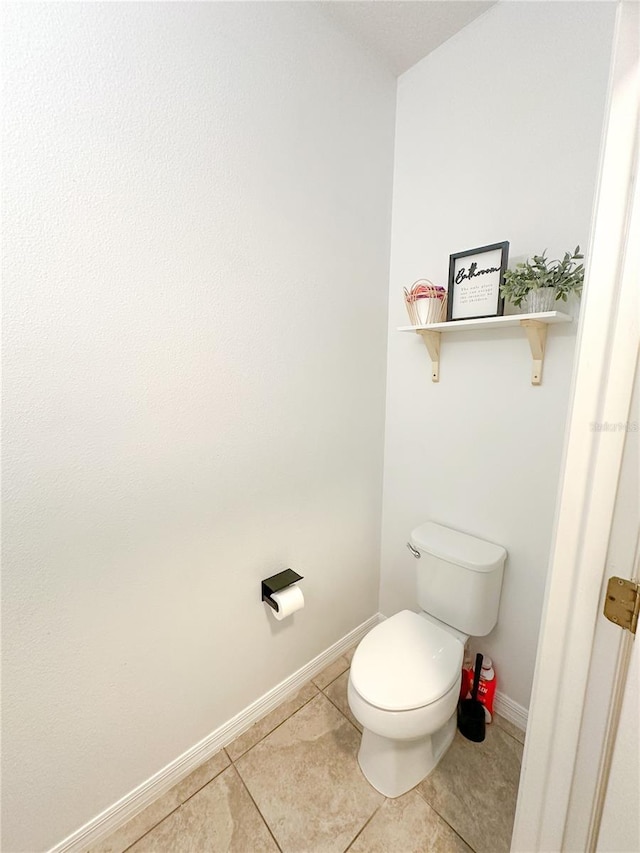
pixel 405 675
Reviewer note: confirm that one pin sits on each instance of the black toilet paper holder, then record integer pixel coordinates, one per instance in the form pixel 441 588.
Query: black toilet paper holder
pixel 276 583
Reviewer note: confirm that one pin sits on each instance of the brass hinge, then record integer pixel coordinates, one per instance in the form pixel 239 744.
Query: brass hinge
pixel 622 603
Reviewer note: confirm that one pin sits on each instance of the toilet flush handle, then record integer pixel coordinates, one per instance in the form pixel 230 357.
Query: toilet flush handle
pixel 413 550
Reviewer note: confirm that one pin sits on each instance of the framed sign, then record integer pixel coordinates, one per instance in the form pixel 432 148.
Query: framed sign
pixel 474 282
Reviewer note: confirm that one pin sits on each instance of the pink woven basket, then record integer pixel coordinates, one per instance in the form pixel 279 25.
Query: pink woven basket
pixel 426 303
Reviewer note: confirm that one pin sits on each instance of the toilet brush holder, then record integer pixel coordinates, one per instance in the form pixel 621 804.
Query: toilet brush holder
pixel 471 718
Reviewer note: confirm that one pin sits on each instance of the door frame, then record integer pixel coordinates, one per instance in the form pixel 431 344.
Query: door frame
pixel 606 355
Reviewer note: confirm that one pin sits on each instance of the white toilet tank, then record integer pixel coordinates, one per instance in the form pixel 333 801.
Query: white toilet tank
pixel 459 578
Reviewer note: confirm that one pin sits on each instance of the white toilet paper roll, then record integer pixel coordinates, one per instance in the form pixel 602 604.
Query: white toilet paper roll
pixel 288 600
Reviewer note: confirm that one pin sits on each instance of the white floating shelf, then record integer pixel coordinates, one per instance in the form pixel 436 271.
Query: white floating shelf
pixel 535 326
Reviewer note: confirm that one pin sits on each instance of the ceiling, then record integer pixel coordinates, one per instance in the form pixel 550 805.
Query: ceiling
pixel 402 33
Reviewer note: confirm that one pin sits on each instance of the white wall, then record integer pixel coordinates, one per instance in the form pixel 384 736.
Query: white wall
pixel 197 211
pixel 497 138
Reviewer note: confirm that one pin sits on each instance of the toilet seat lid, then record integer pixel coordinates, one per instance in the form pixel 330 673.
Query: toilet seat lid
pixel 406 662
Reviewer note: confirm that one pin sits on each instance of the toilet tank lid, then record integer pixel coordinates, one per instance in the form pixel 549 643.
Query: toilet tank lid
pixel 456 547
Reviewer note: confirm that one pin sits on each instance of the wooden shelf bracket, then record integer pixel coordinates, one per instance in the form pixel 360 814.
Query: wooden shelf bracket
pixel 432 342
pixel 537 336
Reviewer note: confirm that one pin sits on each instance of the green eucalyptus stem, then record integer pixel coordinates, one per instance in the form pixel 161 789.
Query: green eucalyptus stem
pixel 565 276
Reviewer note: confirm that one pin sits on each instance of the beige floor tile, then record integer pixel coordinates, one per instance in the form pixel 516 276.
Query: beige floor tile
pixel 134 829
pixel 350 653
pixel 337 693
pixel 305 780
pixel 331 672
pixel 474 788
pixel 220 817
pixel 409 825
pixel 509 728
pixel 267 724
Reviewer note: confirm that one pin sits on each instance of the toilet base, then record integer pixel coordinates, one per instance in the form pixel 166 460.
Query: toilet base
pixel 393 767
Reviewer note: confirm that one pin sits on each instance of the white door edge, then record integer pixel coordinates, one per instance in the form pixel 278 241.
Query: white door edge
pixel 630 285
pixel 602 385
pixel 623 665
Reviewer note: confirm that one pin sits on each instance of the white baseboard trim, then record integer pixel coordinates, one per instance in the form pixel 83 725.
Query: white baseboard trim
pixel 119 813
pixel 511 711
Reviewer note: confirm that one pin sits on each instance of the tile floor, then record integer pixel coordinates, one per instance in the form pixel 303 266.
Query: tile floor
pixel 292 783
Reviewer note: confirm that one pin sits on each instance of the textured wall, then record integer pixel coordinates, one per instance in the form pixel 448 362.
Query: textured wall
pixel 498 135
pixel 197 210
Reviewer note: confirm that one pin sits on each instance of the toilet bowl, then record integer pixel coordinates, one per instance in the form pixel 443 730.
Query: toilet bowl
pixel 403 688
